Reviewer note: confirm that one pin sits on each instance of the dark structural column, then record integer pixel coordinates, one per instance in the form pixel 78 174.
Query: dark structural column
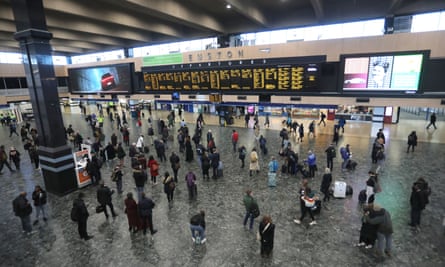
pixel 56 159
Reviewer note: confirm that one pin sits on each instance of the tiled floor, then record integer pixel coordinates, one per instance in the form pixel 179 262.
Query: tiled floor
pixel 329 243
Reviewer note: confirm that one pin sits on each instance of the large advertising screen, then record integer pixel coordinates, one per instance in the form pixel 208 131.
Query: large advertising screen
pixel 101 79
pixel 394 72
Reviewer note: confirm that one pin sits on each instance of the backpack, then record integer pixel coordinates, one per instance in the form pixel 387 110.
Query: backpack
pixel 113 176
pixel 362 196
pixel 254 209
pixel 332 152
pixel 74 213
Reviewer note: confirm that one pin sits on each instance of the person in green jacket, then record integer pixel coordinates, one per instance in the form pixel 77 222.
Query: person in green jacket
pixel 251 206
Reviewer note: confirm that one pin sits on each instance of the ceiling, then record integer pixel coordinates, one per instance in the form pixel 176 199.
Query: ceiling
pixel 87 26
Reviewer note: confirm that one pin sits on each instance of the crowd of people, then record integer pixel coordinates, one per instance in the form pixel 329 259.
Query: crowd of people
pixel 376 221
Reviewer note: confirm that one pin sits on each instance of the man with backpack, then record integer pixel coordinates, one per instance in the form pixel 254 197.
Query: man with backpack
pixel 190 179
pixel 23 209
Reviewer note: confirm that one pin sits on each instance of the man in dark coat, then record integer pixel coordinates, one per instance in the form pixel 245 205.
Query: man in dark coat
pixel 145 207
pixel 81 216
pixel 104 194
pixel 174 161
pixel 198 224
pixel 23 209
pixel 418 201
pixel 39 197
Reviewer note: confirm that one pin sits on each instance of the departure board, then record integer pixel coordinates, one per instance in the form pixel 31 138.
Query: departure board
pixel 250 75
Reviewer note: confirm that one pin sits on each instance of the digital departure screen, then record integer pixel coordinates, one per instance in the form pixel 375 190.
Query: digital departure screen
pixel 251 75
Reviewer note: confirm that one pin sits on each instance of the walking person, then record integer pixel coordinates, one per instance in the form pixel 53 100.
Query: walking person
pixel 104 194
pixel 214 162
pixel 205 166
pixel 188 149
pixel 116 177
pixel 145 209
pixel 322 118
pixel 311 129
pixel 120 154
pixel 131 209
pixel 432 121
pixel 345 155
pixel 251 206
pixel 266 232
pixel 326 184
pixel 254 164
pixel 14 156
pixel 39 198
pixel 267 121
pixel 4 159
pixel 309 202
pixel 301 133
pixel 154 169
pixel 175 165
pixel 412 141
pixel 418 201
pixel 81 216
pixel 190 179
pixel 198 224
pixel 140 178
pixel 23 209
pixel 242 155
pixel 169 186
pixel 234 140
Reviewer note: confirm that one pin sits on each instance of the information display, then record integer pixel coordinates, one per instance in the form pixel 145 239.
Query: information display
pixel 234 76
pixel 386 72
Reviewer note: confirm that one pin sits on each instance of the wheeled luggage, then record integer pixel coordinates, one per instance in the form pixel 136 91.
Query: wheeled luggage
pixel 272 179
pixel 340 189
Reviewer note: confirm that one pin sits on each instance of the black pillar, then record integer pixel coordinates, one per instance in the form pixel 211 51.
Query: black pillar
pixel 56 159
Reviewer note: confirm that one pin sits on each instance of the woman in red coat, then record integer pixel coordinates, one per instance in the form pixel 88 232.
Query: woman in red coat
pixel 154 169
pixel 131 209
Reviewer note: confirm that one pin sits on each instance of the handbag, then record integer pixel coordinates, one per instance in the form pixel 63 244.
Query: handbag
pixel 100 209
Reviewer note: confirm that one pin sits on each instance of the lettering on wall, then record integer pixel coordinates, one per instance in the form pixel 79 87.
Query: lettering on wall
pixel 215 55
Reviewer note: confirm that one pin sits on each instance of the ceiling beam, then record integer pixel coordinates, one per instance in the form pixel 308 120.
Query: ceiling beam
pixel 110 16
pixel 178 12
pixel 247 9
pixel 317 5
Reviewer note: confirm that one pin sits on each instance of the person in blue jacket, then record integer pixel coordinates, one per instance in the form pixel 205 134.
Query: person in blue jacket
pixel 312 163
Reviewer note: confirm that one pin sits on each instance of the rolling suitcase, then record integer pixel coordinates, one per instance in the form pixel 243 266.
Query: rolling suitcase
pixel 339 189
pixel 272 179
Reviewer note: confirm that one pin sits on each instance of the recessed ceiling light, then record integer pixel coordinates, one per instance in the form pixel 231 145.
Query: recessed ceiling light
pixel 228 6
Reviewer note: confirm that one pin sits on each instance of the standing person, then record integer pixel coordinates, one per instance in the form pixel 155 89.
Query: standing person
pixel 154 169
pixel 14 156
pixel 326 184
pixel 266 231
pixel 251 206
pixel 242 155
pixel 190 179
pixel 381 135
pixel 300 133
pixel 151 132
pixel 254 164
pixel 330 155
pixel 175 164
pixel 418 201
pixel 336 136
pixel 104 194
pixel 263 143
pixel 432 121
pixel 4 159
pixel 381 217
pixel 368 232
pixel 312 163
pixel 322 118
pixel 140 178
pixel 13 128
pixel 234 140
pixel 23 209
pixel 341 124
pixel 131 209
pixel 198 224
pixel 120 154
pixel 181 141
pixel 145 208
pixel 205 165
pixel 412 141
pixel 304 185
pixel 81 216
pixel 116 177
pixel 309 202
pixel 188 149
pixel 372 186
pixel 140 144
pixel 169 186
pixel 214 162
pixel 39 198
